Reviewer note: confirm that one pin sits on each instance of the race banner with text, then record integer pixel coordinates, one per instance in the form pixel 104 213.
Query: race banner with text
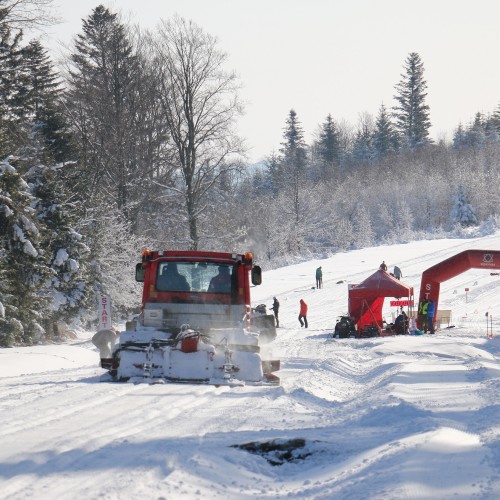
pixel 402 303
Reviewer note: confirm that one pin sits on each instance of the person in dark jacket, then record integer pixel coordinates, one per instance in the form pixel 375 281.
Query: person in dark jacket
pixel 383 266
pixel 303 313
pixel 276 307
pixel 401 323
pixel 431 310
pixel 172 280
pixel 397 273
pixel 221 283
pixel 319 278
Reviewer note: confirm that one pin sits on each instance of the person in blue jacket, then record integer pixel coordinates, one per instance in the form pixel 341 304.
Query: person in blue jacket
pixel 431 310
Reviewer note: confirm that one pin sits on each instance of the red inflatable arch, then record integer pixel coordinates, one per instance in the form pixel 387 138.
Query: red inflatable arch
pixel 449 268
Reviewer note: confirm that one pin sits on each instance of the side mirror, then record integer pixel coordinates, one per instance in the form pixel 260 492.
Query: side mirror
pixel 140 272
pixel 256 275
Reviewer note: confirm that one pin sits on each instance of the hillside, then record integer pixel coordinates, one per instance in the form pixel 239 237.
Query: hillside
pixel 380 418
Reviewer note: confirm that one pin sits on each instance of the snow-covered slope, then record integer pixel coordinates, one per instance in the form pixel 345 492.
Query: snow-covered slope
pixel 383 418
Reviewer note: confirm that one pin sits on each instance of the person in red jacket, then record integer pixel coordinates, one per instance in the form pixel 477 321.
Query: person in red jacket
pixel 303 313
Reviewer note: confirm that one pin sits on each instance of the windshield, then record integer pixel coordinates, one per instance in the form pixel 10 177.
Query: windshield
pixel 194 277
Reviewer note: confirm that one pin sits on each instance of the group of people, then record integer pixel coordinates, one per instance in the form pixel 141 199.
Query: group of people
pixel 302 312
pixel 426 312
pixel 426 308
pixel 302 304
pixel 397 271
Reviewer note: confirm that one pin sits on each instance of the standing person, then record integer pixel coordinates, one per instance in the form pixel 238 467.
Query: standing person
pixel 276 307
pixel 422 315
pixel 383 266
pixel 431 310
pixel 397 273
pixel 303 313
pixel 319 278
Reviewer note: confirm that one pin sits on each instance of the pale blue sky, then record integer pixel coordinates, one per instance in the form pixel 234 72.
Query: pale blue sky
pixel 335 56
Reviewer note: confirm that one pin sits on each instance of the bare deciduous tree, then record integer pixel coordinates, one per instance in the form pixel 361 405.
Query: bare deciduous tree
pixel 200 104
pixel 27 14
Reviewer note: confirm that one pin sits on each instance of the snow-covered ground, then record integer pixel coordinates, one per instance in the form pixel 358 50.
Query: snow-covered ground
pixel 381 418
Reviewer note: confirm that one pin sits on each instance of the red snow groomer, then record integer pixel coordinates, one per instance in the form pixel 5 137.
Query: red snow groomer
pixel 196 324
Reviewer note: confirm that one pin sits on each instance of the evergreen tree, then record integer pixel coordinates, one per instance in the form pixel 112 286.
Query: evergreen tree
pixel 328 147
pixel 290 201
pixel 362 151
pixel 384 137
pixel 294 151
pixel 23 264
pixel 491 131
pixel 66 252
pixel 459 137
pixel 11 89
pixel 294 148
pixel 475 135
pixel 274 172
pixel 412 113
pixel 496 118
pixel 104 105
pixel 43 102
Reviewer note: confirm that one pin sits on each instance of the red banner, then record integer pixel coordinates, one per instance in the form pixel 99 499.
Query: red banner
pixel 402 303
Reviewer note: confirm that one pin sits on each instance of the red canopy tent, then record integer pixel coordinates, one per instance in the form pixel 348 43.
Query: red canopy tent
pixel 367 299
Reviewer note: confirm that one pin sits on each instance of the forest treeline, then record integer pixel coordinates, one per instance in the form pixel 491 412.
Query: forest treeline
pixel 130 141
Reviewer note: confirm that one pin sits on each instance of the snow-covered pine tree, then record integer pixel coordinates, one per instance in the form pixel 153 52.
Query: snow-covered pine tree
pixel 69 285
pixel 23 263
pixel 475 135
pixel 43 103
pixel 294 154
pixel 362 149
pixel 104 105
pixel 11 88
pixel 491 131
pixel 495 118
pixel 329 148
pixel 459 138
pixel 274 173
pixel 384 137
pixel 51 188
pixel 293 147
pixel 462 212
pixel 412 113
